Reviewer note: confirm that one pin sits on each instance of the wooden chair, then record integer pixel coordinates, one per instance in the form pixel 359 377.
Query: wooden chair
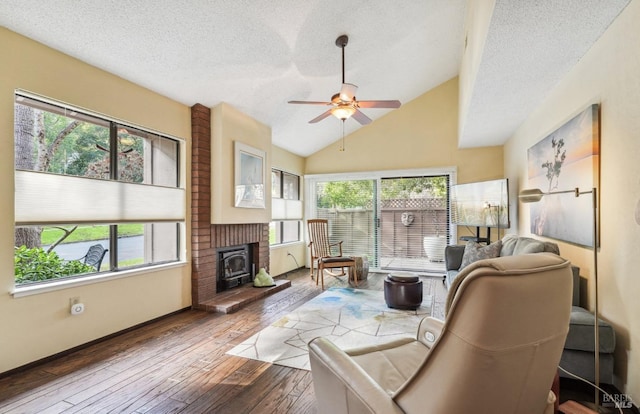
pixel 322 251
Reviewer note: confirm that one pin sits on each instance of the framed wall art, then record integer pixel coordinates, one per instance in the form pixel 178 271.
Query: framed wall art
pixel 566 159
pixel 249 165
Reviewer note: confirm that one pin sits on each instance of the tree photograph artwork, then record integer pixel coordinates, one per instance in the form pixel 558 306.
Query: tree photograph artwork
pixel 566 159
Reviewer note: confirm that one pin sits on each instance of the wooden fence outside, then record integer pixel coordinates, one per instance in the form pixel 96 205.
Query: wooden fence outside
pixel 403 226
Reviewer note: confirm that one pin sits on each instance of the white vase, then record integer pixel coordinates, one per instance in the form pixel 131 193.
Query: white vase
pixel 434 247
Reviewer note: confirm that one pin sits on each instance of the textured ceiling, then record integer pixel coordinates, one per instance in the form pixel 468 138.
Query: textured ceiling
pixel 530 47
pixel 258 54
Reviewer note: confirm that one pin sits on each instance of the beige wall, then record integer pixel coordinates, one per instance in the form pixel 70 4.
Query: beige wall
pixel 40 325
pixel 608 74
pixel 422 133
pixel 280 260
pixel 229 125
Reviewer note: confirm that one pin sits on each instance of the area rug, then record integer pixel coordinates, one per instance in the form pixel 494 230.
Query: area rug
pixel 348 317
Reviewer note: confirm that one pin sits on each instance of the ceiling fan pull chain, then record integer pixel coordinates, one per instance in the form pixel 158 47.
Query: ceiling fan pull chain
pixel 342 148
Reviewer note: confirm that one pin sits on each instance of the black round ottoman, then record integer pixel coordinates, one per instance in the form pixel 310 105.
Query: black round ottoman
pixel 403 291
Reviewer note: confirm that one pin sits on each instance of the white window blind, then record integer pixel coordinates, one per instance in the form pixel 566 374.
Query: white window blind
pixel 58 199
pixel 282 209
pixel 82 177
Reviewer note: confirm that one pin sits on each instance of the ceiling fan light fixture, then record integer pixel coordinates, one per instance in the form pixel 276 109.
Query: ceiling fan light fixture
pixel 343 112
pixel 344 104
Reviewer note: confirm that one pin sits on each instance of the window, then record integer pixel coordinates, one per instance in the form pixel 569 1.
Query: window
pixel 83 180
pixel 286 211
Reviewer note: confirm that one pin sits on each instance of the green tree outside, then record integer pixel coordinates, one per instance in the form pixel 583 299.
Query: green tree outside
pixel 54 143
pixel 359 193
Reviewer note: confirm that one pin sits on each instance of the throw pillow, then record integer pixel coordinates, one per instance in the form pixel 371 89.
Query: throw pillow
pixel 474 251
pixel 526 245
pixel 508 244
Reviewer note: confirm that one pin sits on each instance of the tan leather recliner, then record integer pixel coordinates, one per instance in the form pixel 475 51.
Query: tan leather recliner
pixel 496 352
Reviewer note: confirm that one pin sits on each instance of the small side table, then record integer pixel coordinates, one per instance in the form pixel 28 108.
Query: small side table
pixel 360 271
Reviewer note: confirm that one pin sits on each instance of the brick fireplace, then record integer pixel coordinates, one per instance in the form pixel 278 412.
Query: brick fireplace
pixel 206 238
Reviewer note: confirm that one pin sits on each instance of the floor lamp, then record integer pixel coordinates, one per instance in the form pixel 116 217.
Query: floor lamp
pixel 490 207
pixel 533 196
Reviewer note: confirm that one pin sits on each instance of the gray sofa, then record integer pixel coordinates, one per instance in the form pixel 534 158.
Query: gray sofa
pixel 511 245
pixel 578 354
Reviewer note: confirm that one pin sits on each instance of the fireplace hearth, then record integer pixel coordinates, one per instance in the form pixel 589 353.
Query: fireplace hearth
pixel 235 266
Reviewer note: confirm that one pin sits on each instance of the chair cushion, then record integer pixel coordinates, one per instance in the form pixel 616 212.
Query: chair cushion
pixel 391 364
pixel 474 251
pixel 582 364
pixel 337 259
pixel 581 333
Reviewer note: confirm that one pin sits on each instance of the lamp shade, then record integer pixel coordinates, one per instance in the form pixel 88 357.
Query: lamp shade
pixel 343 111
pixel 531 195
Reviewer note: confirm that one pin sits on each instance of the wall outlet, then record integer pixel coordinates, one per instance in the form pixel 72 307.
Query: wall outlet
pixel 77 308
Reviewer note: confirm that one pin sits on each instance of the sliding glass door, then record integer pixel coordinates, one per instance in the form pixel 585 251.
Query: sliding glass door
pixel 399 220
pixel 414 223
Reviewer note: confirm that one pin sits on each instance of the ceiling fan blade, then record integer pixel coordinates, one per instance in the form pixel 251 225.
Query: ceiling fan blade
pixel 320 117
pixel 309 103
pixel 362 118
pixel 379 104
pixel 348 92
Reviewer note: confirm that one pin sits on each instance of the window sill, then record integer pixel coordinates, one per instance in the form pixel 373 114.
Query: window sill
pixel 36 289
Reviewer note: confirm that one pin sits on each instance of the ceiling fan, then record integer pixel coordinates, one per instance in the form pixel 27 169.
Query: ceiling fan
pixel 344 104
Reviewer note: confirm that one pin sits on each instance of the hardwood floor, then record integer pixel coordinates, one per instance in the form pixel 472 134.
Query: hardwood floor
pixel 176 365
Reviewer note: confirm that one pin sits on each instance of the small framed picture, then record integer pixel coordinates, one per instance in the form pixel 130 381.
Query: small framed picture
pixel 249 176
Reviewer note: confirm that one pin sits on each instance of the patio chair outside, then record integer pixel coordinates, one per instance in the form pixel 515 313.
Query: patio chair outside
pixel 94 256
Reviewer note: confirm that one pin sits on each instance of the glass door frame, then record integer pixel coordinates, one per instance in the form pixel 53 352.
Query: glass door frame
pixel 310 181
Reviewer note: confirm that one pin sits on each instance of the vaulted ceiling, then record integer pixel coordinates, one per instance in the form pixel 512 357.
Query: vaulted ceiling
pixel 256 54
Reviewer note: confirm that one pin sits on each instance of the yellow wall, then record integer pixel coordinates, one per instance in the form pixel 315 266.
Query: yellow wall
pixel 284 160
pixel 280 261
pixel 227 126
pixel 40 325
pixel 608 74
pixel 422 133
